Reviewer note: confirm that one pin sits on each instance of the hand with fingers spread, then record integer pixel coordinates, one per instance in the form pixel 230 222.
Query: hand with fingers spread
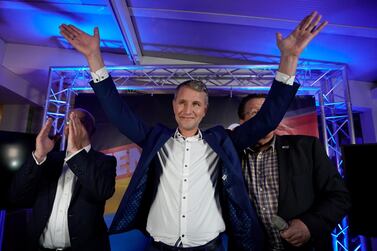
pixel 77 136
pixel 297 234
pixel 292 46
pixel 296 42
pixel 88 45
pixel 43 144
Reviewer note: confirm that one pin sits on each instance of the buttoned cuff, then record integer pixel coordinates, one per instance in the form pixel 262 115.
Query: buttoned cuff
pixel 284 78
pixel 99 75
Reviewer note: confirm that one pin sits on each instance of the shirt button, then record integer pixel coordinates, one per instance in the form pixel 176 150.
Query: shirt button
pixel 183 235
pixel 185 180
pixel 264 209
pixel 260 189
pixel 185 165
pixel 184 197
pixel 183 216
pixel 187 149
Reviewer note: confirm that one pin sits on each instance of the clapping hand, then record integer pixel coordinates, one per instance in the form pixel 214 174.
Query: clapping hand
pixel 43 144
pixel 77 136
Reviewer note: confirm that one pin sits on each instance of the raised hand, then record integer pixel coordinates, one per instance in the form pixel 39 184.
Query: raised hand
pixel 292 46
pixel 297 233
pixel 43 145
pixel 84 43
pixel 77 136
pixel 296 42
pixel 80 40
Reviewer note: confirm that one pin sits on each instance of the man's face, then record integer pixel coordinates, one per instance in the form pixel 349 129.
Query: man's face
pixel 189 107
pixel 252 107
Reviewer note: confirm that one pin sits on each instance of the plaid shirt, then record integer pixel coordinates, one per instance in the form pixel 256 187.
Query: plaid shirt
pixel 260 169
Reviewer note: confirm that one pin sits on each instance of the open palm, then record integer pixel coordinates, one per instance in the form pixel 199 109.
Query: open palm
pixel 296 42
pixel 80 40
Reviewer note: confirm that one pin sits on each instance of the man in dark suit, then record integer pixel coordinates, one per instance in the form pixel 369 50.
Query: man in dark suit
pixel 188 187
pixel 67 190
pixel 292 177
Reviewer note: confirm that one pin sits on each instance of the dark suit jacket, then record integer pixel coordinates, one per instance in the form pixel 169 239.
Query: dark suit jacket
pixel 311 189
pixel 35 186
pixel 240 217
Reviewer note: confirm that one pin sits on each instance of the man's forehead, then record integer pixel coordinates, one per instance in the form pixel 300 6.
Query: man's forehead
pixel 186 92
pixel 255 102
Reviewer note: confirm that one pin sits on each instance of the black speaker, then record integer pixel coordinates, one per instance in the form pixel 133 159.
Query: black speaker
pixel 360 174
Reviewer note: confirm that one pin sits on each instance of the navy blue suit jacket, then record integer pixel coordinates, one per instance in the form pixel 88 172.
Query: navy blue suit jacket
pixel 240 217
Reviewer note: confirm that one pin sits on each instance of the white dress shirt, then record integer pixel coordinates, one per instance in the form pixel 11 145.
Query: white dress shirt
pixel 186 209
pixel 56 234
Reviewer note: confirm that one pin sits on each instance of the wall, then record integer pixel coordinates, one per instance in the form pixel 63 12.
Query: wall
pixel 363 100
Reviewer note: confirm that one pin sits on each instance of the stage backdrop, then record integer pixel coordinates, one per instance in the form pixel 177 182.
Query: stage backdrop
pixel 300 119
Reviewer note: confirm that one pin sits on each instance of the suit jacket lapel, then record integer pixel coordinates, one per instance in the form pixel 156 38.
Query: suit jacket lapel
pixel 148 153
pixel 77 185
pixel 210 139
pixel 165 135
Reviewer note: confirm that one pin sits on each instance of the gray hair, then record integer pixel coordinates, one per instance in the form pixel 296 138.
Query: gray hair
pixel 195 85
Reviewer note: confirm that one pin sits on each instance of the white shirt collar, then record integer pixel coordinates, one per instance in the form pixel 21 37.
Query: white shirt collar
pixel 178 136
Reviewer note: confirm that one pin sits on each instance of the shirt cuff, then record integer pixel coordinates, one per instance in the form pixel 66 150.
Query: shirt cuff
pixel 99 75
pixel 36 161
pixel 284 78
pixel 73 154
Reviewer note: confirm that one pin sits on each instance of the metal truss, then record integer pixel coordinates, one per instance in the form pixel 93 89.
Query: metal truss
pixel 327 82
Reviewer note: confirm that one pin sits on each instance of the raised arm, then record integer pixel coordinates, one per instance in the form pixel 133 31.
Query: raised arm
pixel 115 107
pixel 282 92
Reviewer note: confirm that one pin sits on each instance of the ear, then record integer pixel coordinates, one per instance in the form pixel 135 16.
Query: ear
pixel 173 104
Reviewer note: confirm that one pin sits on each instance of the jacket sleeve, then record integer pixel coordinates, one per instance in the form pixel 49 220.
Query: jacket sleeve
pixel 333 201
pixel 119 112
pixel 95 172
pixel 25 183
pixel 268 118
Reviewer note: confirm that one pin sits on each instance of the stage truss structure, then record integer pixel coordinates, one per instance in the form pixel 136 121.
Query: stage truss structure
pixel 328 82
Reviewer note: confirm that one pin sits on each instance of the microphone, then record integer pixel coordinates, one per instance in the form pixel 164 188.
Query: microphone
pixel 279 223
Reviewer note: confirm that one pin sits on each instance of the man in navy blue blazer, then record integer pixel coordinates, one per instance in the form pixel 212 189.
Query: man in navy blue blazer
pixel 188 186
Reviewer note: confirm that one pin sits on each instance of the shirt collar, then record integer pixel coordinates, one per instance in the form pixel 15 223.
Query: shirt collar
pixel 178 136
pixel 88 147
